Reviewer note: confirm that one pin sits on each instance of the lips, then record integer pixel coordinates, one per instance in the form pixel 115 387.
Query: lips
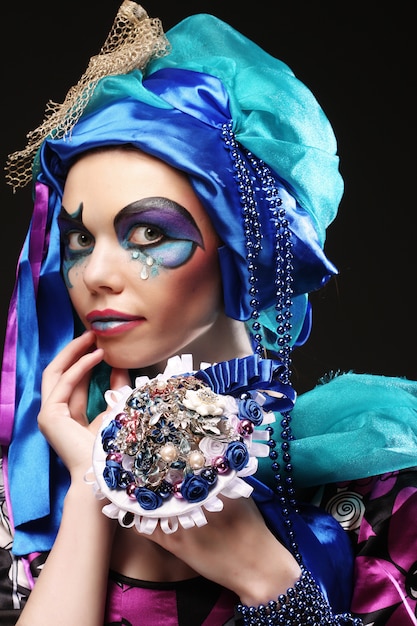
pixel 109 322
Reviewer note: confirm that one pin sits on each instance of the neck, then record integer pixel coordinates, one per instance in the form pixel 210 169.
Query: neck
pixel 226 339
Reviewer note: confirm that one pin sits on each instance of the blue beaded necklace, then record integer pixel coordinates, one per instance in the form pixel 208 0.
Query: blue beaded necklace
pixel 303 604
pixel 262 177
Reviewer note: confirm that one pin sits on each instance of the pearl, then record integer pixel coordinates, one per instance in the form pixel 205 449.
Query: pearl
pixel 109 445
pixel 130 490
pixel 221 464
pixel 245 427
pixel 176 490
pixel 114 456
pixel 165 489
pixel 210 475
pixel 122 418
pixel 196 459
pixel 125 478
pixel 168 452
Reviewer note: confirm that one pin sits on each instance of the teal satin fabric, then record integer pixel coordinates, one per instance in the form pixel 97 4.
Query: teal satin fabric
pixel 354 426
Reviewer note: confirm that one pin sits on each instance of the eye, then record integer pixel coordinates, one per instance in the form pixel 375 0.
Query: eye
pixel 78 240
pixel 146 235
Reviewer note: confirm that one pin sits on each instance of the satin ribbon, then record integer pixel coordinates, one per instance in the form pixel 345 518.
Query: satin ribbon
pixel 35 245
pixel 37 479
pixel 236 376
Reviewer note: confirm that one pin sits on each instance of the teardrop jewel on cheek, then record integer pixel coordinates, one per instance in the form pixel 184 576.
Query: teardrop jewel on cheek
pixel 149 261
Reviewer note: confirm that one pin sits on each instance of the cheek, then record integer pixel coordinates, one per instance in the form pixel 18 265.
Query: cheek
pixel 201 281
pixel 75 284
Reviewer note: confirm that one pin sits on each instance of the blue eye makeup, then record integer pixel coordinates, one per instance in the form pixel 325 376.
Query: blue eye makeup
pixel 160 228
pixel 76 241
pixel 156 230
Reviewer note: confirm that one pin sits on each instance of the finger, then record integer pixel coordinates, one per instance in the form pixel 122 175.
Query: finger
pixel 63 386
pixel 71 441
pixel 64 359
pixel 79 399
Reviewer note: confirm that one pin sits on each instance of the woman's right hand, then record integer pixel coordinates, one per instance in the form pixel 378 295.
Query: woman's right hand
pixel 62 418
pixel 85 537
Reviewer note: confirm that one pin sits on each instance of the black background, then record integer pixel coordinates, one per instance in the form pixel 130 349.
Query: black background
pixel 359 61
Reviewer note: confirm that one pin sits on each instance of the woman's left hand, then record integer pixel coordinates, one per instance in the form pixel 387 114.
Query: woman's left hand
pixel 237 550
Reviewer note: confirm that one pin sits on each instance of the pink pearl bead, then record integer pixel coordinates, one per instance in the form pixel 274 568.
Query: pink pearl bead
pixel 114 456
pixel 130 490
pixel 176 490
pixel 245 427
pixel 220 464
pixel 122 418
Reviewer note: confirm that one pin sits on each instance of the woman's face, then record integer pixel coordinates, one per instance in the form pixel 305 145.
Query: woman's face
pixel 140 257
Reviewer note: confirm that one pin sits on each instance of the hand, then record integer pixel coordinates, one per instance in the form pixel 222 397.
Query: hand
pixel 237 550
pixel 85 537
pixel 62 418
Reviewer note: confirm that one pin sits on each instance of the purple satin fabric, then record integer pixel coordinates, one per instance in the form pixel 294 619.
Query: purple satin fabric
pixel 8 377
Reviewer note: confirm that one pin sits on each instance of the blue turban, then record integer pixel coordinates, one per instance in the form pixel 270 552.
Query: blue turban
pixel 176 112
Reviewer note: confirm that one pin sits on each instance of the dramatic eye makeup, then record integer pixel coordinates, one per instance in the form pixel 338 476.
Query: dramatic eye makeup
pixel 158 228
pixel 76 241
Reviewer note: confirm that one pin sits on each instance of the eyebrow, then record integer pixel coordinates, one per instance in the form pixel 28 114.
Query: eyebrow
pixel 172 212
pixel 74 218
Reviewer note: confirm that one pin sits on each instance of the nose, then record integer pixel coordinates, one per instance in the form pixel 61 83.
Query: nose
pixel 104 269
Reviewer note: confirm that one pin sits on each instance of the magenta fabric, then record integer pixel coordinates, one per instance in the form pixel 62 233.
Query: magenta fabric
pixel 379 513
pixel 194 601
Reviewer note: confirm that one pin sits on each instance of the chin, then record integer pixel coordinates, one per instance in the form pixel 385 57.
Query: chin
pixel 120 361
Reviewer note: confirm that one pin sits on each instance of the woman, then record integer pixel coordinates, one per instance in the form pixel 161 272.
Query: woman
pixel 183 211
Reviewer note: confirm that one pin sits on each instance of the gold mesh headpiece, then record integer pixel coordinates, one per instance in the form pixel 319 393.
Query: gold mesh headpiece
pixel 133 41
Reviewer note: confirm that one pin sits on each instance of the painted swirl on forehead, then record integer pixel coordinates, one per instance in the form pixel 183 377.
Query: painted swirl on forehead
pixel 159 228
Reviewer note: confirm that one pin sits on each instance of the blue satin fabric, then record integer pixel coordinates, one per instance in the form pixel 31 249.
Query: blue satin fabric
pixel 249 374
pixel 325 547
pixel 37 479
pixel 186 133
